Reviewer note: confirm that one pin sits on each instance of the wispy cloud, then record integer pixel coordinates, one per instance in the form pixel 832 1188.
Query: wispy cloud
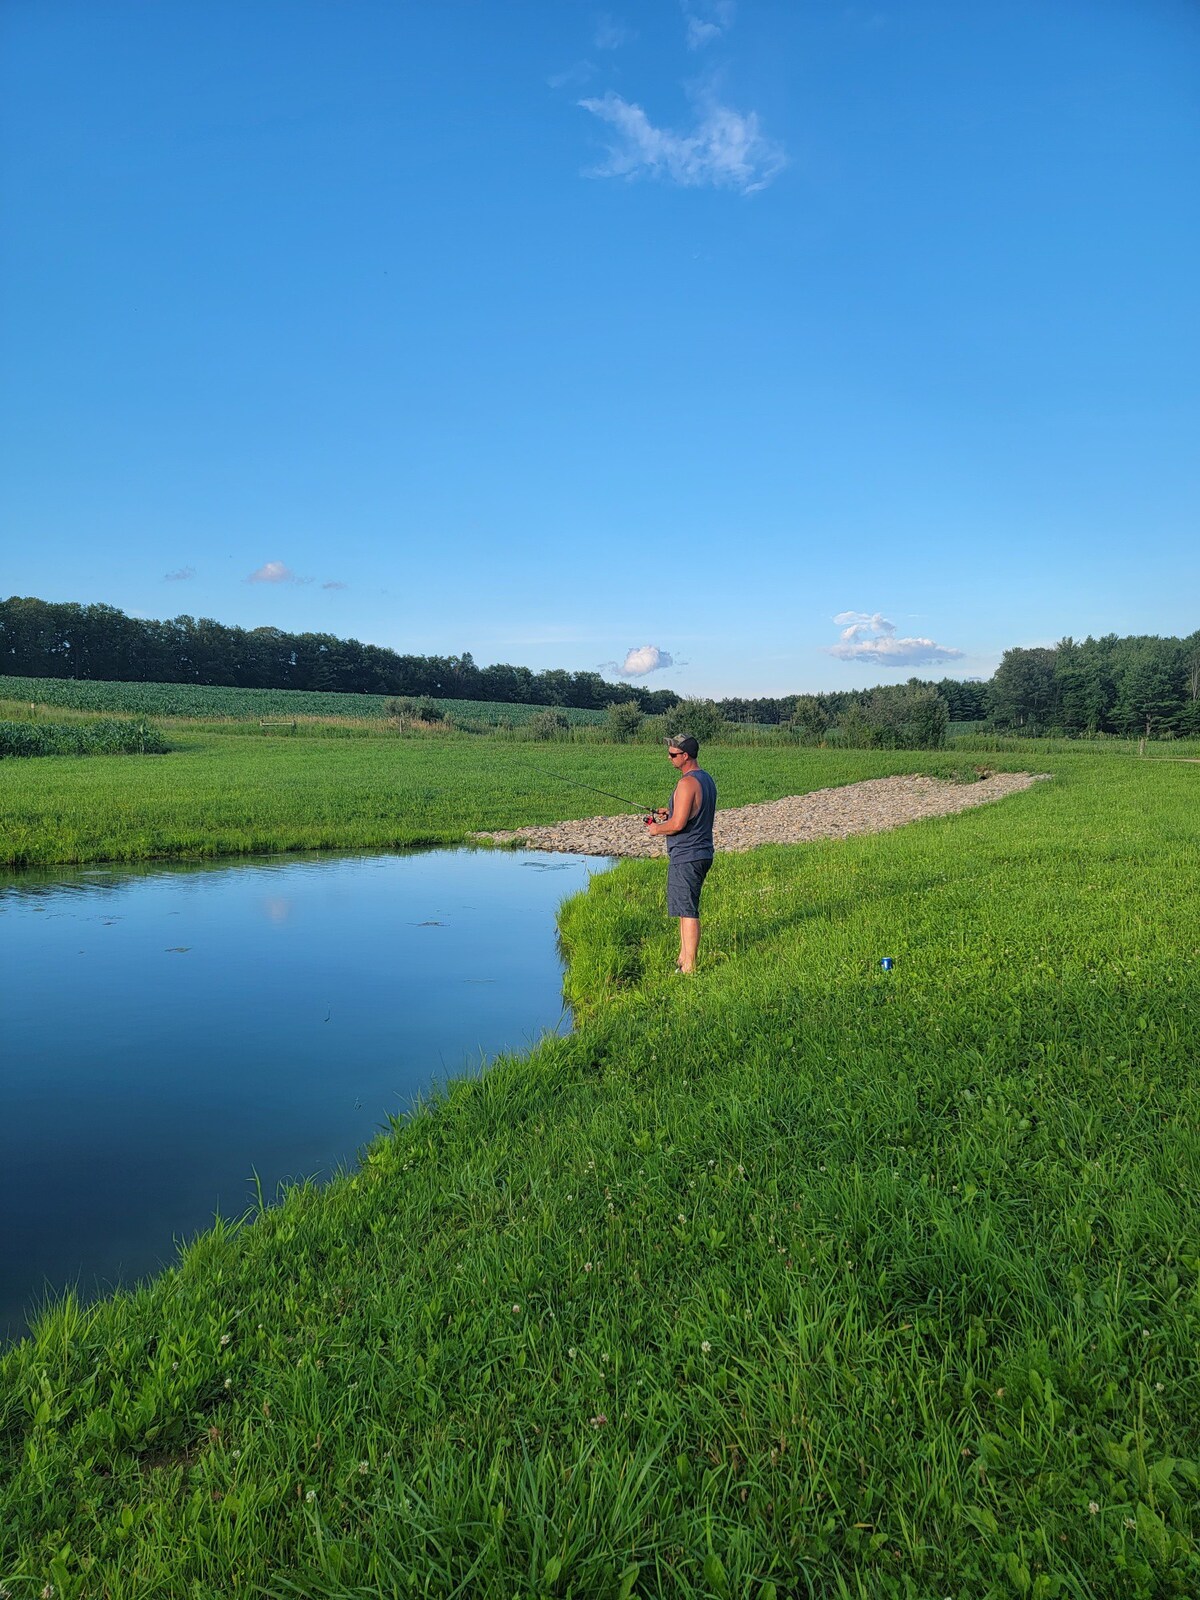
pixel 869 636
pixel 611 34
pixel 273 572
pixel 707 20
pixel 572 77
pixel 641 662
pixel 334 583
pixel 181 576
pixel 725 150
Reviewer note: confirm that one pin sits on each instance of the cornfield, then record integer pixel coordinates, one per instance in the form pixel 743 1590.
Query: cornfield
pixel 108 737
pixel 216 701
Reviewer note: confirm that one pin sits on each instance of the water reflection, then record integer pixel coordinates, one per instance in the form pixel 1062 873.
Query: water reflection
pixel 168 1032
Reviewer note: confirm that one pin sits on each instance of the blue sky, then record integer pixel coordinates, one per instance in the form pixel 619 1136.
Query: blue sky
pixel 807 345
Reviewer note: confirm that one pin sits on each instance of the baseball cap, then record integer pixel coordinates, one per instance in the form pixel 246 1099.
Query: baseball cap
pixel 686 743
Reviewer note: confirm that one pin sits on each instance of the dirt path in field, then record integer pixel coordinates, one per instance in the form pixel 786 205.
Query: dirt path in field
pixel 869 807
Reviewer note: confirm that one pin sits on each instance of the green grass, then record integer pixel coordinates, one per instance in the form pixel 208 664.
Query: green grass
pixel 229 794
pixel 792 1279
pixel 972 738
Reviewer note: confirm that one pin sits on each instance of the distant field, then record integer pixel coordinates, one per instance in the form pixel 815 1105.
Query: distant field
pixel 210 701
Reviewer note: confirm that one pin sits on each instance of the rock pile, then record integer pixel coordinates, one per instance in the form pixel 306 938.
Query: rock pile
pixel 869 807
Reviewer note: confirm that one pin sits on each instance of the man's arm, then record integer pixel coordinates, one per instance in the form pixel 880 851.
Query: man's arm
pixel 685 802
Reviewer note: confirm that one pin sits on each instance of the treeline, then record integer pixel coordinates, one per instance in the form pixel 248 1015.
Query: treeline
pixel 965 702
pixel 1138 686
pixel 1134 686
pixel 1142 686
pixel 39 639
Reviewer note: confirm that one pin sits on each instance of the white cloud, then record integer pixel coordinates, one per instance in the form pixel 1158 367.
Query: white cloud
pixel 611 34
pixel 181 576
pixel 871 637
pixel 640 662
pixel 862 625
pixel 726 149
pixel 707 20
pixel 272 572
pixel 334 583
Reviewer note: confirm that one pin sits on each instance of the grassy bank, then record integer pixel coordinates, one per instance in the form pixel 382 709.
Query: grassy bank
pixel 230 794
pixel 792 1279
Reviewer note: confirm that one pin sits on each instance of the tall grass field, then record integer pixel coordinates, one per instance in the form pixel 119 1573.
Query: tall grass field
pixel 797 1278
pixel 213 702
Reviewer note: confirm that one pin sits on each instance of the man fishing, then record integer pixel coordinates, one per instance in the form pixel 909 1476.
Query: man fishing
pixel 687 826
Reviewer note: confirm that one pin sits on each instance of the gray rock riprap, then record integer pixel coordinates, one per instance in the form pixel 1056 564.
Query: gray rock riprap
pixel 869 807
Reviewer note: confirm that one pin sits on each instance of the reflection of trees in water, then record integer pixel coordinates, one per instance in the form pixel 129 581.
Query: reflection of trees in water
pixel 46 883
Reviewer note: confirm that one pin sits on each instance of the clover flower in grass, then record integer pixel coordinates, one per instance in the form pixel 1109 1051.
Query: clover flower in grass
pixel 587 1266
pixel 364 1467
pixel 705 1347
pixel 310 1496
pixel 599 1420
pixel 1093 1508
pixel 225 1339
pixel 516 1310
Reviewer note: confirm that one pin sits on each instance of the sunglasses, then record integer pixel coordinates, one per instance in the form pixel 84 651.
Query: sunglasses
pixel 671 754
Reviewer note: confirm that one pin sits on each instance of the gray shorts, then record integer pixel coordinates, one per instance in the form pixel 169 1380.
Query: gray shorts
pixel 685 879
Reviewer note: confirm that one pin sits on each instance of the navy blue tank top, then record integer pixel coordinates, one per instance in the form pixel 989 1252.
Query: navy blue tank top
pixel 695 841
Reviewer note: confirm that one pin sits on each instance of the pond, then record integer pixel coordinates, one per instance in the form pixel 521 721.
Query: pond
pixel 168 1033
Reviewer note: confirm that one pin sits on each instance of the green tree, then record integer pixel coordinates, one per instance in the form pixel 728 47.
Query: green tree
pixel 1022 692
pixel 552 723
pixel 809 717
pixel 701 718
pixel 1150 699
pixel 622 721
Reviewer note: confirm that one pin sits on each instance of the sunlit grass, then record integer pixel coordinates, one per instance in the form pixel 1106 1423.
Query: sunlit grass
pixel 795 1278
pixel 230 794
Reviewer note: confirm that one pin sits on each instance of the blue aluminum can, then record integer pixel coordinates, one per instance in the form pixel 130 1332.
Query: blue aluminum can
pixel 887 963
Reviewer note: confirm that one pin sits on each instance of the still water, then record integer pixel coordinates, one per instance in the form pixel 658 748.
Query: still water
pixel 166 1033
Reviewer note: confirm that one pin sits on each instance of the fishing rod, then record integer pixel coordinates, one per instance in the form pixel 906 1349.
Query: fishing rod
pixel 648 811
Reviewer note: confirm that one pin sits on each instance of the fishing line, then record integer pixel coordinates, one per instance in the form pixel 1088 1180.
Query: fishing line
pixel 607 793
